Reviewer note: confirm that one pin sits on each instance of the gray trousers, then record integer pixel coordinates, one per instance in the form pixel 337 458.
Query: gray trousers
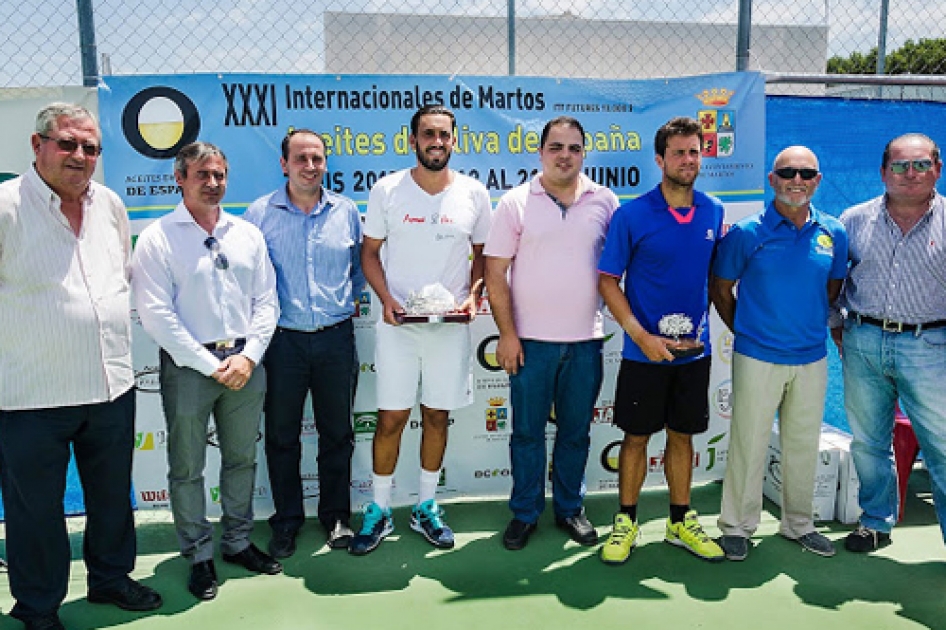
pixel 759 391
pixel 189 398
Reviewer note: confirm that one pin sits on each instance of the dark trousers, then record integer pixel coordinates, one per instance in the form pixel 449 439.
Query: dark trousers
pixel 324 364
pixel 34 456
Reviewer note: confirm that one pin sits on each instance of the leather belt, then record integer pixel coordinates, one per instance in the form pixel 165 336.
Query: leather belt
pixel 226 344
pixel 317 330
pixel 891 326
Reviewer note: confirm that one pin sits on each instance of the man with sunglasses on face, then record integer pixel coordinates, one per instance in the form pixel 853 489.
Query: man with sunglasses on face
pixel 775 275
pixel 66 372
pixel 206 292
pixel 894 332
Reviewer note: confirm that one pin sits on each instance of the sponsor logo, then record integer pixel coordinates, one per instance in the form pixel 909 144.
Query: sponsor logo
pixel 159 120
pixel 722 399
pixel 149 441
pixel 419 424
pixel 723 346
pixel 363 304
pixel 409 219
pixel 147 380
pixel 443 478
pixel 655 463
pixel 610 455
pixel 719 125
pixel 365 421
pixel 775 470
pixel 308 427
pixel 366 367
pixel 603 415
pixel 824 245
pixel 155 496
pixel 711 451
pixel 486 354
pixel 492 473
pixel 497 415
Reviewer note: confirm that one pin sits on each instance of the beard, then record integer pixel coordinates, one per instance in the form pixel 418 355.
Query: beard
pixel 433 165
pixel 679 181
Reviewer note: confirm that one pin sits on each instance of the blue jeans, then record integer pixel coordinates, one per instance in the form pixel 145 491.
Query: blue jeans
pixel 880 367
pixel 568 376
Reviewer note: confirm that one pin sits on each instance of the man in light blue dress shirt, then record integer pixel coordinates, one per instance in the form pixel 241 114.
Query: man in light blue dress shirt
pixel 314 241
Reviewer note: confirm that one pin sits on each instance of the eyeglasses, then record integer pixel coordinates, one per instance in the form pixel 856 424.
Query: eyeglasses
pixel 900 167
pixel 788 172
pixel 220 259
pixel 69 146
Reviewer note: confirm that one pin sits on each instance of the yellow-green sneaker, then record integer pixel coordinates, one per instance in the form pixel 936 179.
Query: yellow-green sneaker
pixel 623 539
pixel 690 535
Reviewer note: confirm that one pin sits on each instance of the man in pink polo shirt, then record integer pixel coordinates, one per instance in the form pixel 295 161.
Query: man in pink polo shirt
pixel 541 276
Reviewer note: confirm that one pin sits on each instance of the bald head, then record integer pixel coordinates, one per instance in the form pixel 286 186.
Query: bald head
pixel 794 178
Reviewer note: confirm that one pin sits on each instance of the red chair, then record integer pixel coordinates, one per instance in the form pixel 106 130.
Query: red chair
pixel 905 450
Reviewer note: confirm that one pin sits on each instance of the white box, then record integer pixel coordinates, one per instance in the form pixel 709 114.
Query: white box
pixel 847 509
pixel 826 478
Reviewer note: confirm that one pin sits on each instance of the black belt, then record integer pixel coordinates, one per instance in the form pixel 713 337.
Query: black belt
pixel 895 327
pixel 317 330
pixel 226 344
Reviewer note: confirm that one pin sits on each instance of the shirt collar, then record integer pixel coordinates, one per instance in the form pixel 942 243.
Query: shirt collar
pixel 585 185
pixel 33 176
pixel 182 215
pixel 281 200
pixel 771 217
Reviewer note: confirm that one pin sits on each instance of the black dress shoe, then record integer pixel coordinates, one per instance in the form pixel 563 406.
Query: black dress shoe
pixel 127 594
pixel 46 622
pixel 339 536
pixel 203 581
pixel 579 528
pixel 252 559
pixel 517 534
pixel 283 543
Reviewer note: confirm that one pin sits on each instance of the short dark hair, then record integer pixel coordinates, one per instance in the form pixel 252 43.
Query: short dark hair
pixel 431 110
pixel 295 131
pixel 197 152
pixel 934 150
pixel 679 126
pixel 564 121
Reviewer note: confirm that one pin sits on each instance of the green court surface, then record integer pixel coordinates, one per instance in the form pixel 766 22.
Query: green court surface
pixel 553 583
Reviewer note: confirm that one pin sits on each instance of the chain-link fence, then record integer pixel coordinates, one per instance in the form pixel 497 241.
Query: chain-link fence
pixel 40 42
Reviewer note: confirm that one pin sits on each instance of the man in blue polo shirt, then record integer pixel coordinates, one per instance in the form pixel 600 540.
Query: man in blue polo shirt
pixel 789 262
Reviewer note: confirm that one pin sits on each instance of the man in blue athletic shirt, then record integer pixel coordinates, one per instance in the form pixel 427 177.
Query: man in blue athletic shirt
pixel 789 261
pixel 661 244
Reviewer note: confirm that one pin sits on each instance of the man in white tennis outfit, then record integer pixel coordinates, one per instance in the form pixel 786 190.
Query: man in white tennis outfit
pixel 423 227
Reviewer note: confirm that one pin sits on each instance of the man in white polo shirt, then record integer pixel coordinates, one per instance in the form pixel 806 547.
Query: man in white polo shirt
pixel 547 236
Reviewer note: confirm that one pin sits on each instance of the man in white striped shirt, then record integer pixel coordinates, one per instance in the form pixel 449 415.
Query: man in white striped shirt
pixel 894 334
pixel 66 372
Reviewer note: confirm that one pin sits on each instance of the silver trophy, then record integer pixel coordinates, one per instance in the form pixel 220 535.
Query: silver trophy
pixel 679 327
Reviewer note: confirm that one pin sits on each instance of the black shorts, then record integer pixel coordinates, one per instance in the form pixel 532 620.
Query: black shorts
pixel 654 396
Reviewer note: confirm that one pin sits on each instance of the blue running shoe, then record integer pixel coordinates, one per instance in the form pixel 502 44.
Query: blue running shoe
pixel 375 525
pixel 427 518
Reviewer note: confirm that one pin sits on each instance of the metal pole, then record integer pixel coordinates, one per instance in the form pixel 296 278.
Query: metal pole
pixel 743 35
pixel 511 35
pixel 882 36
pixel 90 69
